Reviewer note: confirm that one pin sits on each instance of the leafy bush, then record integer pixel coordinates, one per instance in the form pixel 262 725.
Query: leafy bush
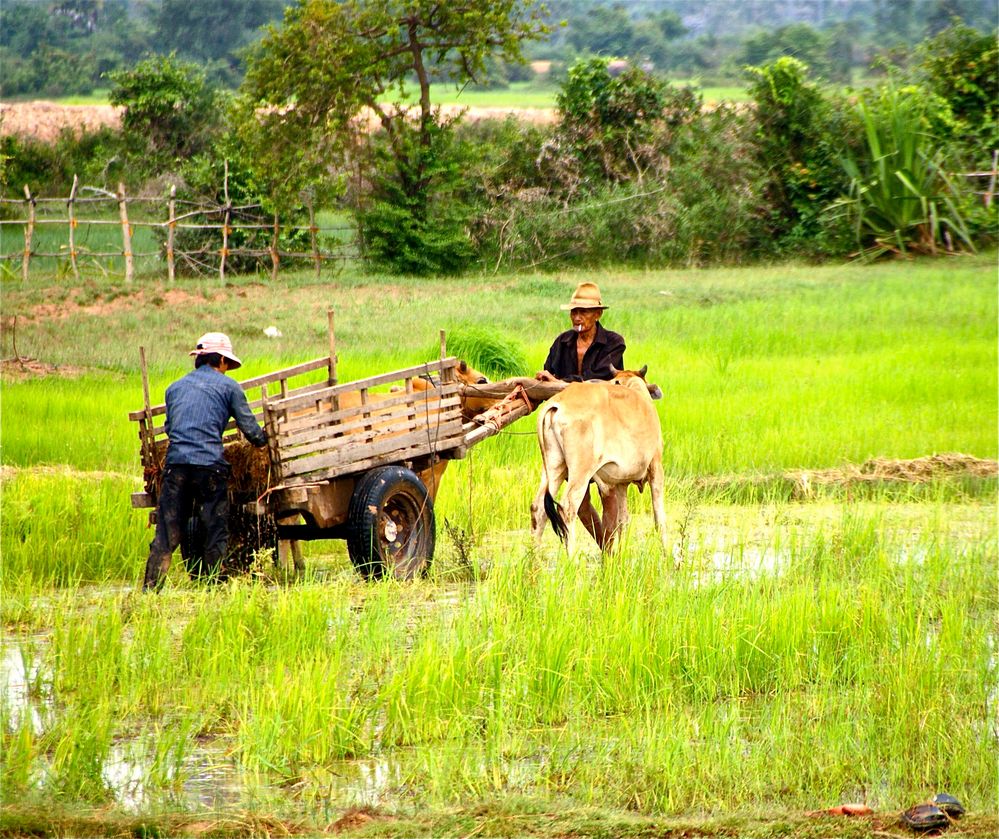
pixel 202 180
pixel 961 65
pixel 48 168
pixel 605 117
pixel 799 137
pixel 692 198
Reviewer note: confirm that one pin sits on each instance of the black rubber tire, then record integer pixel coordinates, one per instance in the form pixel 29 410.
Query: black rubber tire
pixel 390 524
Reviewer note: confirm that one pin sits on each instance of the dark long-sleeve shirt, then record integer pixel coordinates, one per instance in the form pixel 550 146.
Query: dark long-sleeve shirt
pixel 607 349
pixel 198 407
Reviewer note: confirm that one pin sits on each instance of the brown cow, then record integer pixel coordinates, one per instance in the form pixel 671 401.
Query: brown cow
pixel 467 375
pixel 605 432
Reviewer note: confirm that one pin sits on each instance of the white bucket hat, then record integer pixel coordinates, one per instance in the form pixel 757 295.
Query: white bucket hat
pixel 217 342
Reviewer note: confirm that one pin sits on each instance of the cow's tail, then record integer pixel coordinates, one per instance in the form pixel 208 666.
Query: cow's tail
pixel 555 517
pixel 552 510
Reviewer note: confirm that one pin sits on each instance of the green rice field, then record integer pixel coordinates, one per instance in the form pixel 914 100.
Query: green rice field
pixel 811 638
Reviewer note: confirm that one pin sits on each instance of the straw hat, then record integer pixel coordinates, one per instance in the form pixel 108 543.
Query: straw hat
pixel 586 296
pixel 217 342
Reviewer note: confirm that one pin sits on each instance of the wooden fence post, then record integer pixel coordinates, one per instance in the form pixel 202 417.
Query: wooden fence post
pixel 312 233
pixel 275 259
pixel 126 234
pixel 171 227
pixel 446 375
pixel 990 192
pixel 29 231
pixel 72 228
pixel 225 225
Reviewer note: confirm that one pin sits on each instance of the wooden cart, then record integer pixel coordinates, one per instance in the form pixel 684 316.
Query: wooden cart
pixel 360 461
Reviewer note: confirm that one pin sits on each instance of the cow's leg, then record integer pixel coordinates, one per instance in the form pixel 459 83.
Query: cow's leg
pixel 615 514
pixel 574 495
pixel 591 521
pixel 656 484
pixel 553 471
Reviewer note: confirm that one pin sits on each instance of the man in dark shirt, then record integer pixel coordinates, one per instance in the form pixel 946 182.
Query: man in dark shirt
pixel 198 408
pixel 585 352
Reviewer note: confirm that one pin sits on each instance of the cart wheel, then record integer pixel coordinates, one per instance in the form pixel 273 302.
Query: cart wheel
pixel 391 524
pixel 192 548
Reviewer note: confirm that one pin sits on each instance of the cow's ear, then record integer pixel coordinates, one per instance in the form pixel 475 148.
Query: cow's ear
pixel 462 366
pixel 643 371
pixel 655 392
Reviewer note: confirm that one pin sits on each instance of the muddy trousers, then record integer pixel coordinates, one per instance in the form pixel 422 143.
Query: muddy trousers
pixel 187 489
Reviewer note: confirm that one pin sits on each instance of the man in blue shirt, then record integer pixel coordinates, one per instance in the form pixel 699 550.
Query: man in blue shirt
pixel 198 408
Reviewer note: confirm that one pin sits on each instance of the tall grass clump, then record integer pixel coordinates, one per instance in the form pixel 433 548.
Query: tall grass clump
pixel 64 529
pixel 79 423
pixel 901 197
pixel 496 355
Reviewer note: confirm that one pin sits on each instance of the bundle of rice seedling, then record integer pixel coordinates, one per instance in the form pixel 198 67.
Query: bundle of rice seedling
pixel 498 356
pixel 250 474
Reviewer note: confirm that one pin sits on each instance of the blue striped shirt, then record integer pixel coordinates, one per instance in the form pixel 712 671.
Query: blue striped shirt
pixel 198 407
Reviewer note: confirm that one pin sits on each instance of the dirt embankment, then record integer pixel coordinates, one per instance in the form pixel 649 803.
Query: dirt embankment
pixel 44 120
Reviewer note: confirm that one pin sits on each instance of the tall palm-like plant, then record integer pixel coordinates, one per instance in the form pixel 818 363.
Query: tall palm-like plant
pixel 901 198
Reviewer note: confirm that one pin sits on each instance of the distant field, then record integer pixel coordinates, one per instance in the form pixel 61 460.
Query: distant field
pixel 517 95
pixel 98 97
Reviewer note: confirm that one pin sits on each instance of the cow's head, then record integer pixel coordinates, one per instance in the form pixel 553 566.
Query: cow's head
pixel 635 379
pixel 469 375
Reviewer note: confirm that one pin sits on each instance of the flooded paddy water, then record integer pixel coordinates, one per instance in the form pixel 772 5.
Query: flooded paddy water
pixel 794 654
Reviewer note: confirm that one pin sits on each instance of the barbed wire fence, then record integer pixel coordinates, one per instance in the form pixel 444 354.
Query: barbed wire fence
pixel 164 216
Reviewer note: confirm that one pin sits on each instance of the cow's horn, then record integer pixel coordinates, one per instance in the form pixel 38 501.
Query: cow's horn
pixel 643 371
pixel 614 370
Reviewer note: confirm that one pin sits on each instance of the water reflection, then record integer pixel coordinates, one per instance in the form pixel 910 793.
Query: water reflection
pixel 21 676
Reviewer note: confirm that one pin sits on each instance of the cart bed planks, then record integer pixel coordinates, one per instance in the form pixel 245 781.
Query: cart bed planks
pixel 320 431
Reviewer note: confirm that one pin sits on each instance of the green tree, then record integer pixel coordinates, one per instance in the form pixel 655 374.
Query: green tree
pixel 311 80
pixel 798 40
pixel 653 36
pixel 611 31
pixel 894 20
pixel 961 65
pixel 59 48
pixel 603 30
pixel 171 111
